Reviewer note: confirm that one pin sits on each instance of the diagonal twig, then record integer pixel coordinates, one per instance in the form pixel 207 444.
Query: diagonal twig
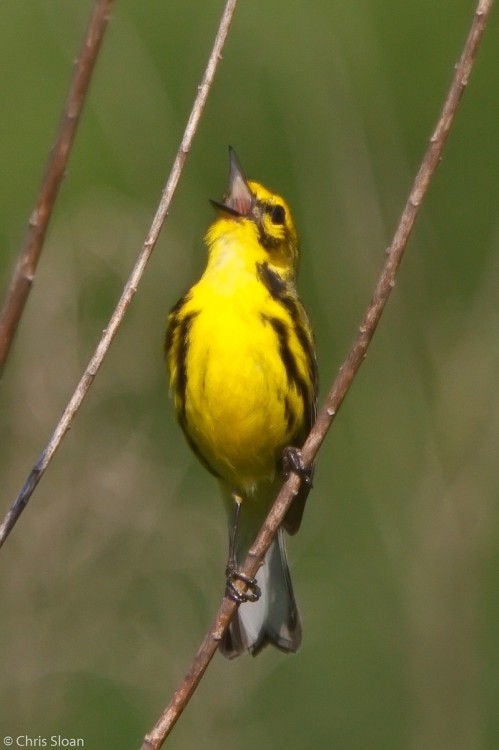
pixel 131 286
pixel 156 737
pixel 24 273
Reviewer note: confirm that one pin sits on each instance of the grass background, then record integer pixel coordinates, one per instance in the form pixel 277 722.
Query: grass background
pixel 114 572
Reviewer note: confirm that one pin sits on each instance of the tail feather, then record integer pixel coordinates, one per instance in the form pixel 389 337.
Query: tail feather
pixel 274 618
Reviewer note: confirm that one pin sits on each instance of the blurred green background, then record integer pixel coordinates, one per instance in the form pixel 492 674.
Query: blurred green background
pixel 115 571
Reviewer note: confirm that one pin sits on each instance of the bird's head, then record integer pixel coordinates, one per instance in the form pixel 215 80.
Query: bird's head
pixel 264 214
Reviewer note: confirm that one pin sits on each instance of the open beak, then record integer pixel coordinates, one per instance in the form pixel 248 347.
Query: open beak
pixel 238 200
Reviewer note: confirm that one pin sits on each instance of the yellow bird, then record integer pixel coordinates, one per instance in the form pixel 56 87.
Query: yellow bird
pixel 241 359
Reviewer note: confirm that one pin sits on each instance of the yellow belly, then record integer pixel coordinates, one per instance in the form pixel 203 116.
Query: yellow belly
pixel 236 389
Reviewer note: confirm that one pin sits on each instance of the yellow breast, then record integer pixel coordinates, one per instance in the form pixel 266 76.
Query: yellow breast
pixel 235 400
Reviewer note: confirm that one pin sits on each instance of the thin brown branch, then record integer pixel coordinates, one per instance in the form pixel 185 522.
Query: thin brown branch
pixel 156 737
pixel 24 272
pixel 131 286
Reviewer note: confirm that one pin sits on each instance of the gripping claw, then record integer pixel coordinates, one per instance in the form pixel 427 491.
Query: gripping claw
pixel 232 590
pixel 292 461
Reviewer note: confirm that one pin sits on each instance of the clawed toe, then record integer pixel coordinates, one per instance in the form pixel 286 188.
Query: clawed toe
pixel 233 591
pixel 292 461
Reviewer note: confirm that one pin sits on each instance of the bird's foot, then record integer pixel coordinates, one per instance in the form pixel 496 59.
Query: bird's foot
pixel 292 461
pixel 232 590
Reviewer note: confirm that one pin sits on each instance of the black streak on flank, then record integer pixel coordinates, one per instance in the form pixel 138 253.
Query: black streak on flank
pixel 306 345
pixel 180 331
pixel 278 290
pixel 170 334
pixel 179 305
pixel 173 322
pixel 289 361
pixel 181 356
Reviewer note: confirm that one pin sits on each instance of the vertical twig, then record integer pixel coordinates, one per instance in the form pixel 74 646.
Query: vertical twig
pixel 24 273
pixel 131 286
pixel 156 737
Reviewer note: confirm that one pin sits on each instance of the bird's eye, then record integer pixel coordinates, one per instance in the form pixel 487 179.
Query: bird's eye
pixel 278 214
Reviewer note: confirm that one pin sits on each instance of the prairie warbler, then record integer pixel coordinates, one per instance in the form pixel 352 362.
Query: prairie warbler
pixel 240 353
